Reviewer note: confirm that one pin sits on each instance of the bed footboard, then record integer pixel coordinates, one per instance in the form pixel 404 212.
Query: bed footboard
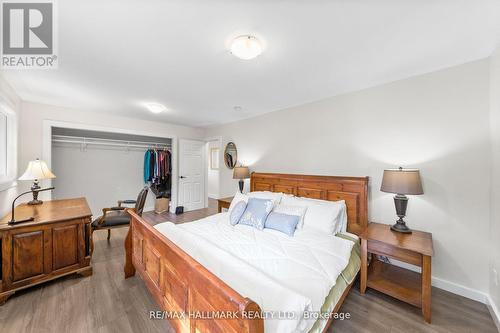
pixel 190 296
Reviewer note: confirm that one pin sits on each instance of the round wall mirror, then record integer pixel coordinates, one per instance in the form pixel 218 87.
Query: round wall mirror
pixel 230 155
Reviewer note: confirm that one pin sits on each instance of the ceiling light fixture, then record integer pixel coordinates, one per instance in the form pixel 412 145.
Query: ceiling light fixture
pixel 155 107
pixel 237 108
pixel 246 47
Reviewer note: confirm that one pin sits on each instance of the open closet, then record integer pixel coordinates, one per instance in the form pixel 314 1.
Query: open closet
pixel 106 167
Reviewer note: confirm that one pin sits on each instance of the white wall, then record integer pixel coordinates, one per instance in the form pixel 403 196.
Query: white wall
pixel 213 175
pixel 101 174
pixel 438 122
pixel 495 183
pixel 33 116
pixel 10 98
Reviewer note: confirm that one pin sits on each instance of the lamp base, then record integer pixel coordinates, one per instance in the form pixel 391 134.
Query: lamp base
pixel 241 184
pixel 401 202
pixel 400 226
pixel 35 188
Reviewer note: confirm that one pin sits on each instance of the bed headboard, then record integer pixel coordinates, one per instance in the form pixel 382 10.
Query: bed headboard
pixel 354 190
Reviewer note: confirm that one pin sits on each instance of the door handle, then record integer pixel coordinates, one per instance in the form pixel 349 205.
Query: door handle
pixel 182 177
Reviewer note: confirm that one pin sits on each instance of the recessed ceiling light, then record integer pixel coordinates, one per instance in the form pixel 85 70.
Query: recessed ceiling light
pixel 155 107
pixel 246 47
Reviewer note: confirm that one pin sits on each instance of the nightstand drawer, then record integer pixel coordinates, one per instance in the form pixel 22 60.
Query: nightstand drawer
pixel 384 249
pixel 224 203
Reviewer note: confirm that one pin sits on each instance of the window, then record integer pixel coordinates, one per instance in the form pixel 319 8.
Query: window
pixel 3 145
pixel 8 147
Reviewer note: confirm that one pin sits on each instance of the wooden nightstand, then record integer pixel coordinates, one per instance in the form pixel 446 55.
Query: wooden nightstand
pixel 224 203
pixel 408 286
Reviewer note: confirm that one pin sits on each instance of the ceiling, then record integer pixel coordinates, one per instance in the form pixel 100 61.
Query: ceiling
pixel 116 54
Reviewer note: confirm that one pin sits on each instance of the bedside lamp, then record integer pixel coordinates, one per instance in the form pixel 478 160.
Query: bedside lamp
pixel 36 170
pixel 241 173
pixel 401 182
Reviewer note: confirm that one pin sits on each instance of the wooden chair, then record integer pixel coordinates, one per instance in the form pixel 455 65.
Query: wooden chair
pixel 117 217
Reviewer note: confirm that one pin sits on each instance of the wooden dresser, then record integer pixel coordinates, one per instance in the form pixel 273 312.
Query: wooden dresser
pixel 56 243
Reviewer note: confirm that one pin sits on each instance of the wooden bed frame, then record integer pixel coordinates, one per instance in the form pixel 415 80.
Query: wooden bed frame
pixel 180 284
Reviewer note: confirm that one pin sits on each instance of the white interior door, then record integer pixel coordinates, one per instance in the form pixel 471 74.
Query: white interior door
pixel 191 174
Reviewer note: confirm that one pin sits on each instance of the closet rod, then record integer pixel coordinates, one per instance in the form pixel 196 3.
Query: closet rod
pixel 109 142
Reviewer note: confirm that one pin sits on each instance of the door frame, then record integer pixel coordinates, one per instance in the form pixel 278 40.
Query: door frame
pixel 207 163
pixel 47 147
pixel 204 167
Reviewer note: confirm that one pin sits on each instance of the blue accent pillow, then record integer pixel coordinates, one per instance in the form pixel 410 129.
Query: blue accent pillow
pixel 256 213
pixel 237 211
pixel 282 222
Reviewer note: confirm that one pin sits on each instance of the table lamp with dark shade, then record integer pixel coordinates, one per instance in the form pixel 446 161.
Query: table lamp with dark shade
pixel 401 182
pixel 241 173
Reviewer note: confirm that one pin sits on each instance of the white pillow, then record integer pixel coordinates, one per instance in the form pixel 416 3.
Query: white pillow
pixel 237 198
pixel 321 215
pixel 274 196
pixel 342 218
pixel 292 210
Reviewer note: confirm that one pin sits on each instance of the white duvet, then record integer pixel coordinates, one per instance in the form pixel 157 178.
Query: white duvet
pixel 280 273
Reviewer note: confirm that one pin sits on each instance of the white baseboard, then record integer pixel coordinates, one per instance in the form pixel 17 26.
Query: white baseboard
pixel 495 314
pixel 458 289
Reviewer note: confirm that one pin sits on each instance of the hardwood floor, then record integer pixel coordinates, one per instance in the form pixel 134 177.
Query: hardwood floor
pixel 106 302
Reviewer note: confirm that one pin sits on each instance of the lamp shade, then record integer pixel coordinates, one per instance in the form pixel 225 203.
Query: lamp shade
pixel 36 170
pixel 402 181
pixel 241 172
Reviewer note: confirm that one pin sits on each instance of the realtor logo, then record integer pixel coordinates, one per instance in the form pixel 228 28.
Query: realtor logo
pixel 28 35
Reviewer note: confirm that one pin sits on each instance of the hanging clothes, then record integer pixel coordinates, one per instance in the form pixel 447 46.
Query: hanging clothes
pixel 151 165
pixel 161 163
pixel 158 171
pixel 147 169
